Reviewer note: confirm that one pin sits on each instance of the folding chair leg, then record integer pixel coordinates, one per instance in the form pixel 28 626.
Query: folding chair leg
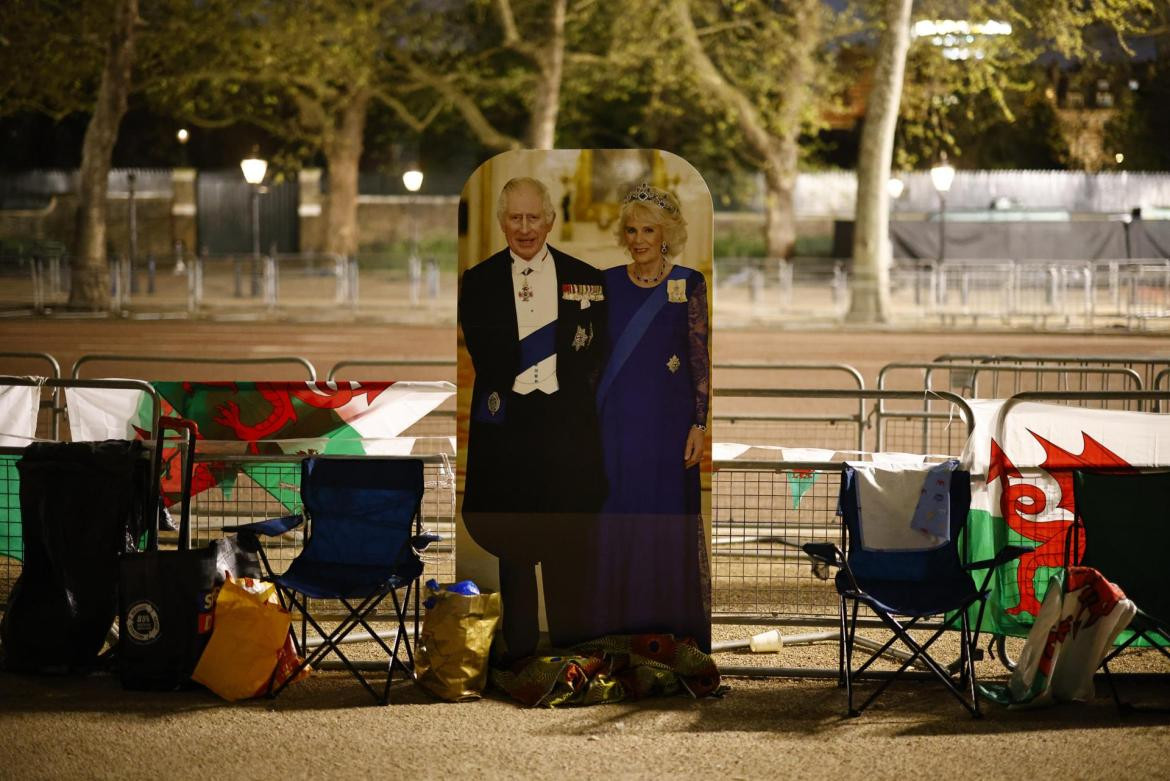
pixel 920 651
pixel 331 643
pixel 969 659
pixel 842 629
pixel 849 663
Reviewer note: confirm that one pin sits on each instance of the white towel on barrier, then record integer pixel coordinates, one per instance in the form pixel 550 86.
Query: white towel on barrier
pixel 19 405
pixel 96 414
pixel 728 451
pixel 887 496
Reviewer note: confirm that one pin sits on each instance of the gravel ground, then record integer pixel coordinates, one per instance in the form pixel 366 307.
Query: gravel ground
pixel 326 726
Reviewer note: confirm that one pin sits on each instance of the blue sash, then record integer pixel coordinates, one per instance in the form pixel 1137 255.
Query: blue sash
pixel 633 333
pixel 538 345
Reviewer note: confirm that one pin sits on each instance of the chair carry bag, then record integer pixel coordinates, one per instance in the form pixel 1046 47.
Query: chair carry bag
pixel 166 597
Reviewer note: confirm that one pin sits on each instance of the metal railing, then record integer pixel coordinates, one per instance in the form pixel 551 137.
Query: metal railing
pixel 762 503
pixel 51 429
pixel 1148 368
pixel 1003 380
pixel 10 521
pixel 1085 293
pixel 90 358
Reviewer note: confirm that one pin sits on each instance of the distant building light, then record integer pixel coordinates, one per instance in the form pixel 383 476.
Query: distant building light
pixel 182 135
pixel 926 28
pixel 1133 85
pixel 1119 157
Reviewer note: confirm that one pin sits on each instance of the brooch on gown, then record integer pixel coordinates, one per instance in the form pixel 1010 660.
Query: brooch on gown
pixel 673 364
pixel 493 403
pixel 676 291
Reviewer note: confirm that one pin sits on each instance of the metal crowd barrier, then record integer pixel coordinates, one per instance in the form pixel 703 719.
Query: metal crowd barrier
pixel 50 428
pixel 762 502
pixel 10 568
pixel 303 363
pixel 401 366
pixel 1089 292
pixel 1149 368
pixel 894 425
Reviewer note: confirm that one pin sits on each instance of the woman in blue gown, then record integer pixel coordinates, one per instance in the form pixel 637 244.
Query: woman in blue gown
pixel 653 407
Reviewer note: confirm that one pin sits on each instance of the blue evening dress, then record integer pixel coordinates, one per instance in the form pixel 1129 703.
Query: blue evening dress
pixel 652 574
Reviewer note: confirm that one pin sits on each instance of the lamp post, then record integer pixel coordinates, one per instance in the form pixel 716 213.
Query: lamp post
pixel 254 168
pixel 942 176
pixel 182 136
pixel 412 180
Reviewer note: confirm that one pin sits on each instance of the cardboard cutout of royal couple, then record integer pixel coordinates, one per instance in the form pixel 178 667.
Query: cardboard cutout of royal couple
pixel 584 394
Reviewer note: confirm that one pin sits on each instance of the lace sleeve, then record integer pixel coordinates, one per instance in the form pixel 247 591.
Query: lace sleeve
pixel 700 356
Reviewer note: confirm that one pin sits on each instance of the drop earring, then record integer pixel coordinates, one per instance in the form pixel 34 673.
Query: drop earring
pixel 665 248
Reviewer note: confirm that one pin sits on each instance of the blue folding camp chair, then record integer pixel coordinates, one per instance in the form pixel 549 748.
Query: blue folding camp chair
pixel 363 543
pixel 905 587
pixel 1123 524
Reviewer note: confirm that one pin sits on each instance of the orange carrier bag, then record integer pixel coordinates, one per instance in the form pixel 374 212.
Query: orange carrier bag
pixel 246 642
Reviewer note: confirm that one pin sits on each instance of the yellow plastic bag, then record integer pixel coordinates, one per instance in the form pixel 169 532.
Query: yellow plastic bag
pixel 451 660
pixel 246 640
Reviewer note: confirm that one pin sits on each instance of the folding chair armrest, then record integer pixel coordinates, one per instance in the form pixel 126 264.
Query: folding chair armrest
pixel 825 553
pixel 1006 553
pixel 421 542
pixel 273 527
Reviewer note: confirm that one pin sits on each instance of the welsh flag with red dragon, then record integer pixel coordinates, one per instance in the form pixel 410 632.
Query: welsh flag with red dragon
pixel 1028 456
pixel 264 418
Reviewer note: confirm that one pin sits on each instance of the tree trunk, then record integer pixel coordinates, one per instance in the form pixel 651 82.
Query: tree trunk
pixel 783 150
pixel 542 126
pixel 343 152
pixel 871 230
pixel 89 287
pixel 780 202
pixel 780 152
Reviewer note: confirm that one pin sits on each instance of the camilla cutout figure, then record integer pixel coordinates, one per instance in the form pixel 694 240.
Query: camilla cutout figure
pixel 652 401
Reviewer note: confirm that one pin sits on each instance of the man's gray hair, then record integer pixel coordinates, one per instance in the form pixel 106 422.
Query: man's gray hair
pixel 512 185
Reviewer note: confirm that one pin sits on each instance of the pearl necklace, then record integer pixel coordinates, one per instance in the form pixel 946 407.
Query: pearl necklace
pixel 661 271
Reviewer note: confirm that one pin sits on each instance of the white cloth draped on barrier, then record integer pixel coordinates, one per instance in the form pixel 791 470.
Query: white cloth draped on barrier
pixel 19 405
pixel 97 414
pixel 345 416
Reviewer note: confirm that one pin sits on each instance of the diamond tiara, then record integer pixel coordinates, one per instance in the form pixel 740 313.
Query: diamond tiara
pixel 646 193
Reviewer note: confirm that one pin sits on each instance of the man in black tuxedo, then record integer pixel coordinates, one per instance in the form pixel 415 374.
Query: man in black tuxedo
pixel 533 321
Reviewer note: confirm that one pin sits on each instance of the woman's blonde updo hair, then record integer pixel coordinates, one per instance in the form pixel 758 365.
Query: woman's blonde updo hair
pixel 658 207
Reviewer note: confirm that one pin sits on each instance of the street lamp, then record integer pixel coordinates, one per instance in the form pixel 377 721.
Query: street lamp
pixel 254 169
pixel 942 176
pixel 412 180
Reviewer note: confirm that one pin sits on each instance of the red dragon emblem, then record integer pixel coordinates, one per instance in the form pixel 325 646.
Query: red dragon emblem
pixel 1023 503
pixel 279 396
